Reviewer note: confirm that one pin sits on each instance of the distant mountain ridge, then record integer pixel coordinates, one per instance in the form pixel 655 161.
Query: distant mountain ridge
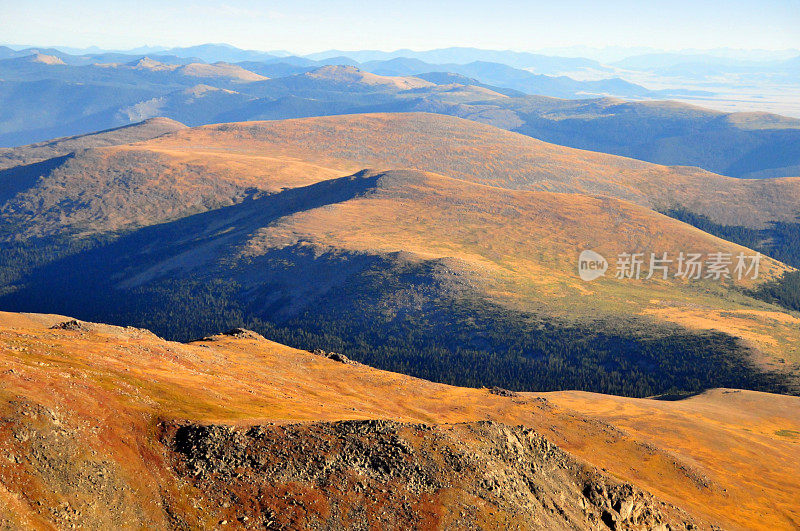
pixel 67 94
pixel 542 64
pixel 753 145
pixel 48 93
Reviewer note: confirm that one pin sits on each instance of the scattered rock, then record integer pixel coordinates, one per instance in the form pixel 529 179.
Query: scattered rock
pixel 243 333
pixel 335 356
pixel 502 392
pixel 381 473
pixel 72 324
pixel 341 358
pixel 237 333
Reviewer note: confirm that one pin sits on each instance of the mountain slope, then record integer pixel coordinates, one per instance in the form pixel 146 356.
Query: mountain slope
pixel 750 145
pixel 488 155
pixel 336 81
pixel 502 75
pixel 34 111
pixel 110 426
pixel 197 105
pixel 145 130
pixel 378 256
pixel 46 99
pixel 475 266
pixel 102 190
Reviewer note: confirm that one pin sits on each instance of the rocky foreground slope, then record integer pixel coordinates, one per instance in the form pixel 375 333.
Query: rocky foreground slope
pixel 111 427
pixel 376 473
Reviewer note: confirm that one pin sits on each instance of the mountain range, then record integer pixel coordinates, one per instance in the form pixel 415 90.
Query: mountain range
pixel 49 98
pixel 449 289
pixel 705 66
pixel 414 229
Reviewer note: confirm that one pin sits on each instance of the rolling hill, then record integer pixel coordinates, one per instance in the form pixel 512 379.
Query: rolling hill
pixel 108 426
pixel 525 81
pixel 468 250
pixel 58 147
pixel 489 155
pixel 72 99
pixel 747 145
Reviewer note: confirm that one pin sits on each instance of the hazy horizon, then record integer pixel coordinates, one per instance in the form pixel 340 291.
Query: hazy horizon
pixel 576 50
pixel 310 26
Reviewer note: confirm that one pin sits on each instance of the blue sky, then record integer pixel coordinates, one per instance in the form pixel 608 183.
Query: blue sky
pixel 307 26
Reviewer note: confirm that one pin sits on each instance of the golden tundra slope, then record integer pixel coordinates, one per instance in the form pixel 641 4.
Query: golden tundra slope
pixel 488 155
pixel 102 427
pixel 492 207
pixel 519 248
pixel 193 170
pixel 10 157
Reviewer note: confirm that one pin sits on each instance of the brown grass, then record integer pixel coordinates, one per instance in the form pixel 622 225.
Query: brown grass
pixel 498 206
pixel 521 248
pixel 719 455
pixel 488 155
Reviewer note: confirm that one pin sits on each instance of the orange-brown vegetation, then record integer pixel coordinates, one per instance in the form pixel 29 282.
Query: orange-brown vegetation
pixel 513 211
pixel 488 155
pixel 85 407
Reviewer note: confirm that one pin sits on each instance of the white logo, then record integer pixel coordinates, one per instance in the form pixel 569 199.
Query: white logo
pixel 719 266
pixel 591 265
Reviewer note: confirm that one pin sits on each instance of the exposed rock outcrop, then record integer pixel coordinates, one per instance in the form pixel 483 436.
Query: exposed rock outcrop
pixel 72 324
pixel 237 333
pixel 335 356
pixel 368 474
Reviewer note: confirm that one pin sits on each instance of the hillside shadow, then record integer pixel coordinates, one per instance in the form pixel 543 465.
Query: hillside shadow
pixel 187 244
pixel 676 396
pixel 22 178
